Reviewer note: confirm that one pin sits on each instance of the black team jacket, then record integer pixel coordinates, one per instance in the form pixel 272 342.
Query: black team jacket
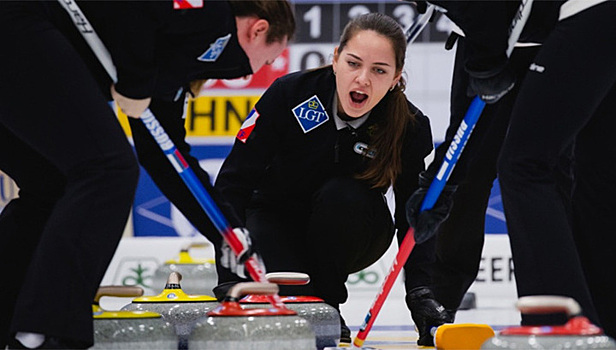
pixel 285 152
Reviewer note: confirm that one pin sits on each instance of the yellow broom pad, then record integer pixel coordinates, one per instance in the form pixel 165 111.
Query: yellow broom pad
pixel 463 336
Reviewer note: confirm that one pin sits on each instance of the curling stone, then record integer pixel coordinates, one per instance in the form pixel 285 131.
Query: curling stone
pixel 229 326
pixel 176 307
pixel 199 274
pixel 324 319
pixel 577 333
pixel 129 329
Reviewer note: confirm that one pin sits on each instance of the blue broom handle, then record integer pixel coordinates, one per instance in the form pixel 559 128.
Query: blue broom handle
pixel 453 153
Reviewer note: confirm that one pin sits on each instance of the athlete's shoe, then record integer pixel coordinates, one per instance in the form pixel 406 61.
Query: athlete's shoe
pixel 427 313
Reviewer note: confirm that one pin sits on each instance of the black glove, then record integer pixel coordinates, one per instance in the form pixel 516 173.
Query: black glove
pixel 490 86
pixel 427 222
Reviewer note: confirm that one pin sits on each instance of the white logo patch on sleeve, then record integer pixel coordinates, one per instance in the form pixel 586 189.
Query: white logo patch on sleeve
pixel 215 49
pixel 310 114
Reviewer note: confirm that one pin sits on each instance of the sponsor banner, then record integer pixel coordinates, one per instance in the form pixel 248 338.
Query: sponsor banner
pixel 496 271
pixel 494 279
pixel 8 190
pixel 122 118
pixel 218 115
pixel 137 259
pixel 211 115
pixel 495 214
pixel 154 215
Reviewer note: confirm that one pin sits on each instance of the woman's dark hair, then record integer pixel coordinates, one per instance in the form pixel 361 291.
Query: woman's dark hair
pixel 387 138
pixel 277 12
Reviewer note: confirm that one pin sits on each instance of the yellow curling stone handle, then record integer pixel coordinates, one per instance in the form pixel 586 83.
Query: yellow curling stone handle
pixel 173 293
pixel 186 258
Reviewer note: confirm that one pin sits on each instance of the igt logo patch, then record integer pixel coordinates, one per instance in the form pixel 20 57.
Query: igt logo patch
pixel 310 114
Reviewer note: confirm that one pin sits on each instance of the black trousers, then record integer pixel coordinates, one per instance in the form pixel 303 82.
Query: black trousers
pixel 345 228
pixel 460 238
pixel 166 178
pixel 77 174
pixel 569 97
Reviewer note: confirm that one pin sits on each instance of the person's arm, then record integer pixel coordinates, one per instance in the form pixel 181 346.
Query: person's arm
pixel 130 30
pixel 143 35
pixel 486 26
pixel 255 146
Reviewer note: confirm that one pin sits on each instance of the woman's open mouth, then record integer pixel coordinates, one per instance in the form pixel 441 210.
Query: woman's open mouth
pixel 358 98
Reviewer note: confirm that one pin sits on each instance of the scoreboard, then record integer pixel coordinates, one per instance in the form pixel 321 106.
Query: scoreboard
pixel 324 21
pixel 321 22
